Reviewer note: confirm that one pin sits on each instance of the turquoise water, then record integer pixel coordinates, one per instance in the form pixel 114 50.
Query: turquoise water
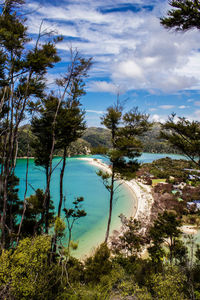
pixel 81 180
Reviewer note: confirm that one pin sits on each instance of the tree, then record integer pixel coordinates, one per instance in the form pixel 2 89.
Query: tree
pixel 185 136
pixel 72 215
pixel 165 230
pixel 125 148
pixel 45 132
pixel 184 15
pixel 70 122
pixel 131 241
pixel 22 81
pixel 31 224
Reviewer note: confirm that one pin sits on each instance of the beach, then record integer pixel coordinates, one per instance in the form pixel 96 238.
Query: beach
pixel 141 193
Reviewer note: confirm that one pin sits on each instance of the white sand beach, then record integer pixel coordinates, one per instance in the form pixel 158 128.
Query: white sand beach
pixel 142 197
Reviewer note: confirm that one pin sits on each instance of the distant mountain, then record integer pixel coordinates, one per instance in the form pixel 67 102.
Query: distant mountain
pixel 95 137
pixel 154 144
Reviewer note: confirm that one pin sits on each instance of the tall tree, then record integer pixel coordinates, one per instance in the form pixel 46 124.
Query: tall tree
pixel 22 73
pixel 60 122
pixel 71 124
pixel 183 134
pixel 166 229
pixel 45 132
pixel 126 147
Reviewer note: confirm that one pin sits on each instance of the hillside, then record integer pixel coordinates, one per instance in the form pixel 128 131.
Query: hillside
pixel 152 143
pixel 95 137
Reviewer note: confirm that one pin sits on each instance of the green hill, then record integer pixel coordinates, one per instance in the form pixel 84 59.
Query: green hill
pixel 95 137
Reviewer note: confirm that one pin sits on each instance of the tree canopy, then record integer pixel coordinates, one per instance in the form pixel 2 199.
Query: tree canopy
pixel 184 15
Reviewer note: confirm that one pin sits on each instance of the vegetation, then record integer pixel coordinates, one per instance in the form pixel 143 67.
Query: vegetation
pixel 95 140
pixel 184 135
pixel 34 264
pixel 125 149
pixel 183 16
pixel 169 272
pixel 167 168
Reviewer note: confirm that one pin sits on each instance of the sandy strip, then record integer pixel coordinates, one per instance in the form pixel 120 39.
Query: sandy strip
pixel 189 229
pixel 142 196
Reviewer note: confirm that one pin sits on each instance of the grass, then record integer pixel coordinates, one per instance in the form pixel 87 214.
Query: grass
pixel 156 181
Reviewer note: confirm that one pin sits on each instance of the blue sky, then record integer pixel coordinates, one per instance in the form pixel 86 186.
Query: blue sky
pixel 152 68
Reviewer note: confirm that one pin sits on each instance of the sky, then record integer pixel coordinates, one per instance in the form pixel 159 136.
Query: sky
pixel 133 55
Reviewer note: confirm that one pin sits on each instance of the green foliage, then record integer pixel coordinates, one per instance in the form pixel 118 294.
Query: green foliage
pixel 71 216
pixel 32 220
pixel 131 241
pixel 124 130
pixel 183 16
pixel 164 230
pixel 42 128
pixel 59 227
pixel 99 265
pixel 13 209
pixel 125 148
pixel 130 288
pixel 167 167
pixel 23 66
pixel 184 135
pixel 25 272
pixel 97 136
pixel 169 285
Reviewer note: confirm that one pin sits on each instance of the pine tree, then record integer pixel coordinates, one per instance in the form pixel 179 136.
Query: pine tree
pixel 126 147
pixel 184 15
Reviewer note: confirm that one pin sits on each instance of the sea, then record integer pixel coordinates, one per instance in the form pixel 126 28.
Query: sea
pixel 81 180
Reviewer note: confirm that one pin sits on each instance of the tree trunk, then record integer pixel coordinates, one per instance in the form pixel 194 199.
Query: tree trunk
pixel 24 205
pixel 54 241
pixel 111 206
pixel 47 200
pixel 61 181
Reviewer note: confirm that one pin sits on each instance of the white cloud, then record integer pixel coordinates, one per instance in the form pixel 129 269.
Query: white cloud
pixel 99 112
pixel 158 118
pixel 152 109
pixel 183 107
pixel 197 103
pixel 103 86
pixel 197 114
pixel 131 48
pixel 166 106
pixel 128 69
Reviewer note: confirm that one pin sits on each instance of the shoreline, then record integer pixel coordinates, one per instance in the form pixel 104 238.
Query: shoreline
pixel 141 194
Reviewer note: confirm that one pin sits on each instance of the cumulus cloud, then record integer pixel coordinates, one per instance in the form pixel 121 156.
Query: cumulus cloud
pixel 158 118
pixel 103 86
pixel 127 43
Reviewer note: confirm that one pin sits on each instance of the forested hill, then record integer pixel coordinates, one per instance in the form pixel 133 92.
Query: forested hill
pixel 151 140
pixel 95 137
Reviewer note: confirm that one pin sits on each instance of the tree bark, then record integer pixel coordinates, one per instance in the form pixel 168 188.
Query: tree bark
pixel 111 206
pixel 61 181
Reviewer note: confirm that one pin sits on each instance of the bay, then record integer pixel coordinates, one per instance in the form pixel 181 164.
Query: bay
pixel 81 180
